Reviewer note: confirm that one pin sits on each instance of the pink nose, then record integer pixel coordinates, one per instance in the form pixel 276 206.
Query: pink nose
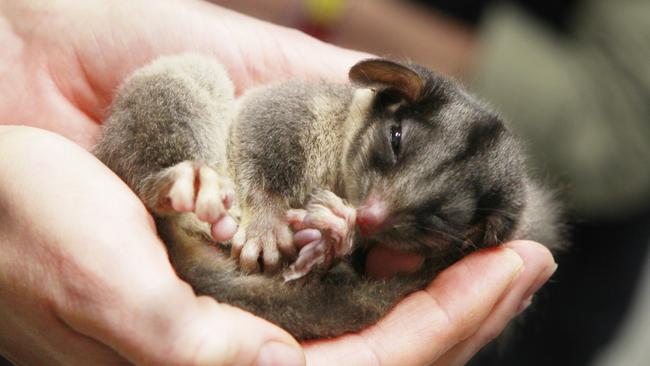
pixel 371 216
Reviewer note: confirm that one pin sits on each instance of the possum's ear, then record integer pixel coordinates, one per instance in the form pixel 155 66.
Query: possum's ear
pixel 384 74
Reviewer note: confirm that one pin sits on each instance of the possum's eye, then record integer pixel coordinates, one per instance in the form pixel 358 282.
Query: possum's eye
pixel 395 138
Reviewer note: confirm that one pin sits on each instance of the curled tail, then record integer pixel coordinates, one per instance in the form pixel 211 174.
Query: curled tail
pixel 337 302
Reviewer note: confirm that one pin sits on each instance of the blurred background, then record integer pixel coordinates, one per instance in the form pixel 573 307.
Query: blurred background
pixel 573 80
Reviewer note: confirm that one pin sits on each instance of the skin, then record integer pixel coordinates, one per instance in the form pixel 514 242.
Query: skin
pixel 387 27
pixel 84 278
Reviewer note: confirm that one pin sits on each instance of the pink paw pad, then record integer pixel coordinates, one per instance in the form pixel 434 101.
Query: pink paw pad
pixel 334 220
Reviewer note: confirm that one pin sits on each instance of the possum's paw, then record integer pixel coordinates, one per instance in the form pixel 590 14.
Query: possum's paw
pixel 262 238
pixel 193 187
pixel 334 221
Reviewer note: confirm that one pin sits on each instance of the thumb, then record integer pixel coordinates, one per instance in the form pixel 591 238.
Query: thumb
pixel 210 333
pixel 171 326
pixel 149 316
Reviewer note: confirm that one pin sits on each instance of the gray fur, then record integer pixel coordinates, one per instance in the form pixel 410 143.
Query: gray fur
pixel 459 183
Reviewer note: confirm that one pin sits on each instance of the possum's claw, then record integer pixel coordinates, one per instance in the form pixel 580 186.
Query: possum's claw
pixel 335 220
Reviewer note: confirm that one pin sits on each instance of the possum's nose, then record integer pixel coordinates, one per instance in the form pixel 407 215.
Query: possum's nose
pixel 371 216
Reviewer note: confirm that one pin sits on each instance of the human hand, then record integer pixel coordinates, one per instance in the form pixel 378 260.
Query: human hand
pixel 67 77
pixel 465 307
pixel 84 280
pixel 63 60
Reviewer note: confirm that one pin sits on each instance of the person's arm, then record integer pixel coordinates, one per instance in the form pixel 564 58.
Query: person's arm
pixel 579 101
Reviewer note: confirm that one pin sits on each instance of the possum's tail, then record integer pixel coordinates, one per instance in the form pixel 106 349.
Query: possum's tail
pixel 313 307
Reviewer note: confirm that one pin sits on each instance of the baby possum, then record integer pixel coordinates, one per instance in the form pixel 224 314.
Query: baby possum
pixel 401 156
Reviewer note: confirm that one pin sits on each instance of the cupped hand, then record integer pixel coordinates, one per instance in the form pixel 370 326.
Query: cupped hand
pixel 84 280
pixel 465 307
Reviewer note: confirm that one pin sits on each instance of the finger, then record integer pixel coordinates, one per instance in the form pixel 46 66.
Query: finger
pixel 224 229
pixel 238 241
pixel 250 254
pixel 428 323
pixel 227 193
pixel 306 236
pixel 296 218
pixel 285 242
pixel 182 192
pixel 539 268
pixel 209 204
pixel 271 254
pixel 384 262
pixel 333 203
pixel 310 256
pixel 311 253
pixel 320 217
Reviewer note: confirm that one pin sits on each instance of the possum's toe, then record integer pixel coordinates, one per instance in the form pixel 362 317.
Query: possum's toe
pixel 181 192
pixel 194 187
pixel 214 197
pixel 329 214
pixel 263 240
pixel 334 220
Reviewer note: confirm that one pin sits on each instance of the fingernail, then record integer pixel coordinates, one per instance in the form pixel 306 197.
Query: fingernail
pixel 524 305
pixel 279 354
pixel 540 281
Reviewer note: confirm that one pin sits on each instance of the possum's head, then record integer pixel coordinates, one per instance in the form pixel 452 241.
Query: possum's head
pixel 433 170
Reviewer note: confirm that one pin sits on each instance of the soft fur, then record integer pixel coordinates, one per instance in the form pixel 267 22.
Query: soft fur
pixel 457 183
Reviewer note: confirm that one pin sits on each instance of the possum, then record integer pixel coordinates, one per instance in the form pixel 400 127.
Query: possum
pixel 271 201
